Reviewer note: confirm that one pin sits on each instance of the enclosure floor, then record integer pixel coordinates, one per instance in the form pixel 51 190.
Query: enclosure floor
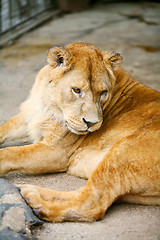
pixel 130 28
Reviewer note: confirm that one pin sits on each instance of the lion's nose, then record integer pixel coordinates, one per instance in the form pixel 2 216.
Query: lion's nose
pixel 88 123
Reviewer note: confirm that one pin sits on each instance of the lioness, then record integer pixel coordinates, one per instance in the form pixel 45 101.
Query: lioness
pixel 87 116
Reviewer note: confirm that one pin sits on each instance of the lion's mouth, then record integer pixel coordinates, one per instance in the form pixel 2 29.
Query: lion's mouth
pixel 79 132
pixel 83 131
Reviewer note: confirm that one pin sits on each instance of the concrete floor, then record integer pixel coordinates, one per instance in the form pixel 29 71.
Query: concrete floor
pixel 130 28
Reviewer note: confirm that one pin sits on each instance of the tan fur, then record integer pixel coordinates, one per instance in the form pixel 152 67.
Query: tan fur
pixel 88 116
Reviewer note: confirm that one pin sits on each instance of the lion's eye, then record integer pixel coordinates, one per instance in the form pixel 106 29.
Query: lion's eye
pixel 77 90
pixel 104 92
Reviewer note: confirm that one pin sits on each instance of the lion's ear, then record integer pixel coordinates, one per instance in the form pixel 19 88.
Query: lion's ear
pixel 113 59
pixel 59 56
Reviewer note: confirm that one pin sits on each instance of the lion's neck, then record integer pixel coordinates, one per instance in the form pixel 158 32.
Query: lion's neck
pixel 122 99
pixel 128 93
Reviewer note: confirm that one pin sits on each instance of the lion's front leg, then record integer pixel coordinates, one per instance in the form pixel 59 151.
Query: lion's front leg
pixel 13 129
pixel 34 158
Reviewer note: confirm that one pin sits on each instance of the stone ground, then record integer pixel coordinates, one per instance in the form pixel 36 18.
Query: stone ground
pixel 130 28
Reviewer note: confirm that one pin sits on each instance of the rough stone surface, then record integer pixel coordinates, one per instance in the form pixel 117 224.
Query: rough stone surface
pixel 16 218
pixel 130 28
pixel 9 234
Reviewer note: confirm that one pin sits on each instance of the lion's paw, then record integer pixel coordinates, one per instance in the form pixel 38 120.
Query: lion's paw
pixel 31 195
pixel 33 199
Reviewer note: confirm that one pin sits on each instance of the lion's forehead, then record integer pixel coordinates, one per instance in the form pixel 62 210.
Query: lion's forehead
pixel 88 72
pixel 91 67
pixel 82 79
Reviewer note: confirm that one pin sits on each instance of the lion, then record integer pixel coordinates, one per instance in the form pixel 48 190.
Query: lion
pixel 88 116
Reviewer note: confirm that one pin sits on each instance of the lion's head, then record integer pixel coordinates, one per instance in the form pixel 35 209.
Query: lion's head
pixel 80 81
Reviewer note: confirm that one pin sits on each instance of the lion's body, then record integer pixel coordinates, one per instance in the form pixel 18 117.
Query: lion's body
pixel 88 116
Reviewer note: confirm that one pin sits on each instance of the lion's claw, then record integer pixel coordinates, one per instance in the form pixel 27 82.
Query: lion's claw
pixel 35 211
pixel 26 200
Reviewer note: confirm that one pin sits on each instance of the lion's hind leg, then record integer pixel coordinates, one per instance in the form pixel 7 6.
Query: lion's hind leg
pixel 50 205
pixel 74 209
pixel 116 175
pixel 49 194
pixel 89 203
